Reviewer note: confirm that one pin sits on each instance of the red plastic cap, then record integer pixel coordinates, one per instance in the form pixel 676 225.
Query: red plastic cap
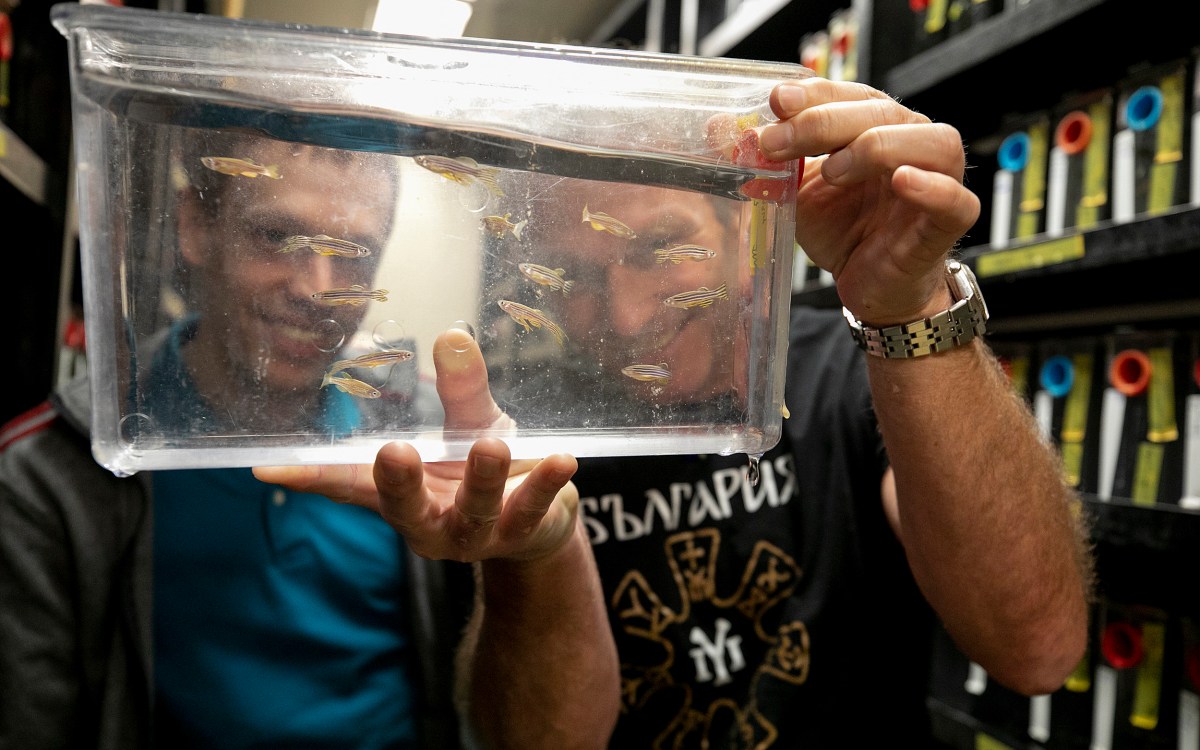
pixel 1122 645
pixel 1130 372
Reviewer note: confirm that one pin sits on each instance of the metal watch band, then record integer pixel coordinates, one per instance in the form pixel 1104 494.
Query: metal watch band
pixel 963 321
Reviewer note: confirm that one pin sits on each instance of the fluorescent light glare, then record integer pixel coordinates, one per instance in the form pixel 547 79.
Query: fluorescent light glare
pixel 436 18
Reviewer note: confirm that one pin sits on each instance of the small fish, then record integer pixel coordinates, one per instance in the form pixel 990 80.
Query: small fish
pixel 702 297
pixel 355 295
pixel 353 386
pixel 323 244
pixel 551 277
pixel 679 253
pixel 650 373
pixel 374 359
pixel 242 167
pixel 605 223
pixel 463 170
pixel 498 225
pixel 530 318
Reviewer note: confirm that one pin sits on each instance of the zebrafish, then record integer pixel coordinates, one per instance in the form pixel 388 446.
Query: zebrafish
pixel 679 253
pixel 323 244
pixel 498 225
pixel 530 318
pixel 551 277
pixel 374 359
pixel 354 295
pixel 702 297
pixel 353 386
pixel 650 373
pixel 242 167
pixel 604 223
pixel 463 170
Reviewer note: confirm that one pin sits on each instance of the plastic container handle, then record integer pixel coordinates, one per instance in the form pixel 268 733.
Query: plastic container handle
pixel 1129 372
pixel 1144 108
pixel 1014 152
pixel 1121 645
pixel 1074 132
pixel 1057 375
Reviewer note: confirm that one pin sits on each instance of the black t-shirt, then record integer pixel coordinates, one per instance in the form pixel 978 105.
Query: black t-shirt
pixel 781 615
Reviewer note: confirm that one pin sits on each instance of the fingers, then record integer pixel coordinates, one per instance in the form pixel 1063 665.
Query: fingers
pixel 344 483
pixel 877 133
pixel 951 209
pixel 462 382
pixel 531 507
pixel 478 501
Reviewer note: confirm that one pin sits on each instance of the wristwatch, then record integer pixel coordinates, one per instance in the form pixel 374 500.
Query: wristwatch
pixel 963 321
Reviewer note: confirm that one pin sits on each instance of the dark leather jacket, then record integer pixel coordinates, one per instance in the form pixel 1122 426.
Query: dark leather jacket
pixel 76 669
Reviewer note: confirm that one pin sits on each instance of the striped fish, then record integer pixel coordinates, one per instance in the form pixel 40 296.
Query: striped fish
pixel 323 244
pixel 232 165
pixel 463 170
pixel 551 277
pixel 605 223
pixel 679 253
pixel 650 373
pixel 702 297
pixel 374 359
pixel 354 295
pixel 530 318
pixel 353 386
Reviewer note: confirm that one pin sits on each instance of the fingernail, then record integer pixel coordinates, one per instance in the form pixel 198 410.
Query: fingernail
pixel 837 164
pixel 775 138
pixel 791 99
pixel 488 467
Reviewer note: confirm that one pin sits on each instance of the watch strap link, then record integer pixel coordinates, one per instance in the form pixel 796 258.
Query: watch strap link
pixel 955 326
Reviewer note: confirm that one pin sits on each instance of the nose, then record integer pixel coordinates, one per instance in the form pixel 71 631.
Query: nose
pixel 315 276
pixel 634 298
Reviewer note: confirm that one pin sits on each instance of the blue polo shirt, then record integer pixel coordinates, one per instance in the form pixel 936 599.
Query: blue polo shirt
pixel 278 616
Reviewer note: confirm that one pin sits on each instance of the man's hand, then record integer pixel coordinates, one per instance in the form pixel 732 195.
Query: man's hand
pixel 881 200
pixel 484 508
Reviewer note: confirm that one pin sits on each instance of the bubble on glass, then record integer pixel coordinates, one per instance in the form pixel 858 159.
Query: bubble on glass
pixel 462 325
pixel 388 334
pixel 328 335
pixel 474 198
pixel 133 426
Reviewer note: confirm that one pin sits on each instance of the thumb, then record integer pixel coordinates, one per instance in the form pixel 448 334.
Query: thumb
pixel 462 382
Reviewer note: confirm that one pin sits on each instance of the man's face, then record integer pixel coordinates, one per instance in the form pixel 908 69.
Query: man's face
pixel 259 319
pixel 617 310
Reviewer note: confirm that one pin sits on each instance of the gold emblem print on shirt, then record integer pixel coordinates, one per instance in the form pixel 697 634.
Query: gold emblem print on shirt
pixel 709 633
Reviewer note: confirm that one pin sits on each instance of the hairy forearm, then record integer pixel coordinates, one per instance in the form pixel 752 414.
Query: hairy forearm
pixel 538 666
pixel 991 530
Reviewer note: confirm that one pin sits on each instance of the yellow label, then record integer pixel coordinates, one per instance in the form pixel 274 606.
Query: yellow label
pixel 3 143
pixel 1072 462
pixel 759 239
pixel 1037 255
pixel 1168 147
pixel 1162 187
pixel 935 16
pixel 955 11
pixel 1170 124
pixel 1161 397
pixel 1149 678
pixel 986 742
pixel 1147 472
pixel 1075 410
pixel 1033 182
pixel 1095 167
pixel 1080 680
